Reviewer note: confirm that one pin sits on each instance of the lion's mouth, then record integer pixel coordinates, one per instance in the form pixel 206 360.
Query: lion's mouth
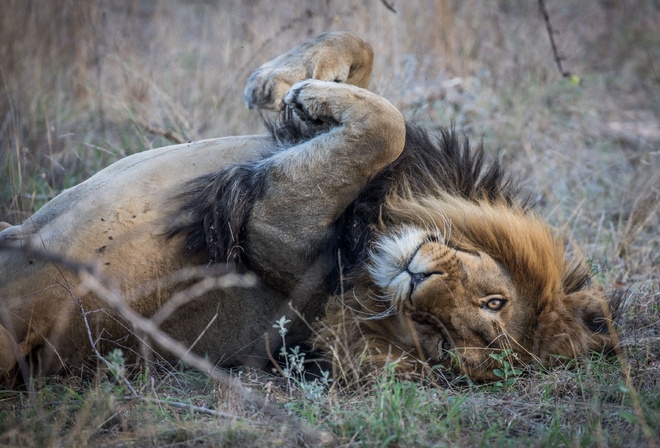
pixel 444 347
pixel 445 342
pixel 393 255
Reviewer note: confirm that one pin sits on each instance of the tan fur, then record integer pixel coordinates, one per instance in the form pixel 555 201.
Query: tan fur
pixel 118 221
pixel 503 250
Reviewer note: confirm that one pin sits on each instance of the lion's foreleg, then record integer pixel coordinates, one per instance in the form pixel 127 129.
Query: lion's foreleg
pixel 310 185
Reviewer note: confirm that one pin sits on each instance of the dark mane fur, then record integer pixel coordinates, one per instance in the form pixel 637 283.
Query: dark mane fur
pixel 217 206
pixel 215 211
pixel 426 166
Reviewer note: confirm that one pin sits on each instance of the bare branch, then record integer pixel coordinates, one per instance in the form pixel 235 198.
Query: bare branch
pixel 172 136
pixel 98 354
pixel 89 278
pixel 200 288
pixel 551 34
pixel 198 409
pixel 388 6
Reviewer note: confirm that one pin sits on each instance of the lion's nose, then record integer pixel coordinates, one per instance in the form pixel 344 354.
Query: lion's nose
pixel 416 278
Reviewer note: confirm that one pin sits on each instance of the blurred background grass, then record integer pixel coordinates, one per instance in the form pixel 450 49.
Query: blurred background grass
pixel 84 83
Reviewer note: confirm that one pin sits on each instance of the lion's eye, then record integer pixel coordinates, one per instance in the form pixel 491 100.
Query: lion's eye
pixel 494 303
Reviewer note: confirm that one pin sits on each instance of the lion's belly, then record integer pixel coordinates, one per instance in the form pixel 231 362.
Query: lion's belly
pixel 228 326
pixel 116 221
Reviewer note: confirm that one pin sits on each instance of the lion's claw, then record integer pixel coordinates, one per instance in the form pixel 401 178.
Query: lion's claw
pixel 292 101
pixel 264 90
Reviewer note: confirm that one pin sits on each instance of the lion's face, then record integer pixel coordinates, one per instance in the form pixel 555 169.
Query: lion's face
pixel 464 305
pixel 462 301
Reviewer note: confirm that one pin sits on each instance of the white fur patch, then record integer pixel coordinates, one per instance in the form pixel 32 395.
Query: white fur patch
pixel 393 253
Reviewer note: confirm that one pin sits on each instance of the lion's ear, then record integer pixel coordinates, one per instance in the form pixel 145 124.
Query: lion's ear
pixel 579 323
pixel 591 310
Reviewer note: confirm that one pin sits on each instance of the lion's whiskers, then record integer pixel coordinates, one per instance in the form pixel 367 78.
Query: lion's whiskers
pixel 363 312
pixel 520 348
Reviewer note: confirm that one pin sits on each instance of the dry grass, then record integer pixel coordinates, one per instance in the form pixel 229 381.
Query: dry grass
pixel 82 84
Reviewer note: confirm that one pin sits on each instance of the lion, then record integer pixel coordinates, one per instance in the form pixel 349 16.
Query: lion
pixel 383 244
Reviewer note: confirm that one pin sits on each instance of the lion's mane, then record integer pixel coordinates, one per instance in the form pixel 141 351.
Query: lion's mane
pixel 441 178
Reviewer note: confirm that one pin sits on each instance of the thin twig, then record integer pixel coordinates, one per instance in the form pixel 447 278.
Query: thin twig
pixel 89 278
pixel 98 354
pixel 656 76
pixel 166 134
pixel 551 34
pixel 271 357
pixel 388 6
pixel 198 409
pixel 206 284
pixel 201 335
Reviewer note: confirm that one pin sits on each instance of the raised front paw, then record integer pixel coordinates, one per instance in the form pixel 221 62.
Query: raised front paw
pixel 313 100
pixel 266 87
pixel 365 118
pixel 340 57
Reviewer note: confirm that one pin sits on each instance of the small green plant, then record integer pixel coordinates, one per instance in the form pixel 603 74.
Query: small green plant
pixel 117 364
pixel 294 367
pixel 506 372
pixel 119 383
